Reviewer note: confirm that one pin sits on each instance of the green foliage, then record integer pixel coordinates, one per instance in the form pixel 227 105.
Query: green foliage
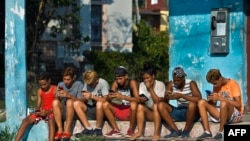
pixel 149 46
pixel 6 134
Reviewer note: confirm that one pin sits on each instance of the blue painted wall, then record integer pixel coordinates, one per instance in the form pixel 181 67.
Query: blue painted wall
pixel 189 27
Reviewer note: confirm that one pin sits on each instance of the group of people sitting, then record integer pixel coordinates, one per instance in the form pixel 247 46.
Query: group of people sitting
pixel 136 102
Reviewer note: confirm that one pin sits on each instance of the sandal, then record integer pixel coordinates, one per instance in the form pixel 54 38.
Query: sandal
pixel 66 136
pixel 58 136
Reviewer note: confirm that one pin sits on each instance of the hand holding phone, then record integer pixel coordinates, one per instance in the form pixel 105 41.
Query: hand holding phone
pixel 208 92
pixel 60 88
pixel 111 91
pixel 143 95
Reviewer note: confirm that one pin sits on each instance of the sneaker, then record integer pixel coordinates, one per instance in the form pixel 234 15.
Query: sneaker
pixel 97 132
pixel 204 136
pixel 113 133
pixel 218 136
pixel 85 132
pixel 130 133
pixel 185 134
pixel 173 134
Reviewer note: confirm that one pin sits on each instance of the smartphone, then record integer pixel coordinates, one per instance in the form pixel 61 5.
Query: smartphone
pixel 111 91
pixel 143 95
pixel 208 92
pixel 60 88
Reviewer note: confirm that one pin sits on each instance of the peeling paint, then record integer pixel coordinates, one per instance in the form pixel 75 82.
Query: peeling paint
pixel 18 11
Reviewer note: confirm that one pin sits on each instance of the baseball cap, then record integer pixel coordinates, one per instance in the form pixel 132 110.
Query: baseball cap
pixel 178 72
pixel 120 71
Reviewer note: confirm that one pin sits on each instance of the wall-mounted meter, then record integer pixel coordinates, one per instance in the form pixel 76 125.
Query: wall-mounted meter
pixel 219 41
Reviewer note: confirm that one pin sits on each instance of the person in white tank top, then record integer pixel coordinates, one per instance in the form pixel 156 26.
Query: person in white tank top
pixel 187 94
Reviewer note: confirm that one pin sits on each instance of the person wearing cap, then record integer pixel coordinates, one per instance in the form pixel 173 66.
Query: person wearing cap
pixel 230 110
pixel 94 91
pixel 187 94
pixel 122 102
pixel 152 91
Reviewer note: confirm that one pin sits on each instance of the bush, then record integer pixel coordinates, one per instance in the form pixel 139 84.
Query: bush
pixel 149 46
pixel 6 134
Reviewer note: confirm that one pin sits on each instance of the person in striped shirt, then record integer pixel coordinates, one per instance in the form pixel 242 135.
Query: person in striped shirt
pixel 187 94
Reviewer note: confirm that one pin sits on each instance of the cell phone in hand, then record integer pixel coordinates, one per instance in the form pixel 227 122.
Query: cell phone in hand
pixel 60 88
pixel 111 91
pixel 143 95
pixel 208 92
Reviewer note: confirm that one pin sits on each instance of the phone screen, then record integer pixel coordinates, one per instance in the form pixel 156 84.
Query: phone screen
pixel 60 87
pixel 111 91
pixel 143 95
pixel 208 92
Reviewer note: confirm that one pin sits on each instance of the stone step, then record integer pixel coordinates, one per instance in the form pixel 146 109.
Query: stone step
pixel 40 131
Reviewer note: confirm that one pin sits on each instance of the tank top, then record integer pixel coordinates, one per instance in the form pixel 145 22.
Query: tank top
pixel 47 98
pixel 125 91
pixel 186 91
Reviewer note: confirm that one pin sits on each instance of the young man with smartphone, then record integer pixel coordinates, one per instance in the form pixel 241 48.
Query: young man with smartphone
pixel 43 111
pixel 94 93
pixel 187 94
pixel 230 110
pixel 126 91
pixel 68 91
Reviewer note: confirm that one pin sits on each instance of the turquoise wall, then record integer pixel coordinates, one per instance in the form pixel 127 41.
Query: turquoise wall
pixel 189 27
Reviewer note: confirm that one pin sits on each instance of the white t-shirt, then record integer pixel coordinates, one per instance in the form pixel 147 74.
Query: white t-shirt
pixel 159 90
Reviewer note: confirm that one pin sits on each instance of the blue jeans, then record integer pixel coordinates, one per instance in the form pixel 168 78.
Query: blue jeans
pixel 179 114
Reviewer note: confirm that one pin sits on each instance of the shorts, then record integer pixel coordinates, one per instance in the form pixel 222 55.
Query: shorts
pixel 235 117
pixel 91 112
pixel 122 112
pixel 180 114
pixel 37 118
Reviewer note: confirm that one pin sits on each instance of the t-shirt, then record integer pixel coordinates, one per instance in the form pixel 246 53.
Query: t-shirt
pixel 159 90
pixel 75 89
pixel 101 89
pixel 230 90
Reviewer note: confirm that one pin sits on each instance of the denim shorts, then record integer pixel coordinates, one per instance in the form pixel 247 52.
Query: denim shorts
pixel 180 114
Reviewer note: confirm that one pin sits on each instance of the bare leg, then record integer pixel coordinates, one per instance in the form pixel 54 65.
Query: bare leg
pixel 132 118
pixel 80 109
pixel 57 110
pixel 157 123
pixel 165 110
pixel 226 110
pixel 69 115
pixel 191 112
pixel 25 123
pixel 108 110
pixel 51 124
pixel 99 114
pixel 140 122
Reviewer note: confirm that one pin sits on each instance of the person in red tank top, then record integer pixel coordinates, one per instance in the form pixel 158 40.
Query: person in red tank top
pixel 43 111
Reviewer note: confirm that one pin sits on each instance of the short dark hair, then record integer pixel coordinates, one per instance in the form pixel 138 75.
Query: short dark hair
pixel 148 68
pixel 43 76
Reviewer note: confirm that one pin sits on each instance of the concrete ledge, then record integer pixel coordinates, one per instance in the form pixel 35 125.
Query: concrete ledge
pixel 40 131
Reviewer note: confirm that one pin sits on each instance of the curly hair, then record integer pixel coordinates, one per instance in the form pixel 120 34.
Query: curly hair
pixel 213 75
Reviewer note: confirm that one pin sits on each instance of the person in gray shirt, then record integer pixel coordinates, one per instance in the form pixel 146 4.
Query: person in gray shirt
pixel 68 91
pixel 94 93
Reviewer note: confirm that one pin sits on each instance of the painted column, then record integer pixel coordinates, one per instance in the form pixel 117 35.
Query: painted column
pixel 15 62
